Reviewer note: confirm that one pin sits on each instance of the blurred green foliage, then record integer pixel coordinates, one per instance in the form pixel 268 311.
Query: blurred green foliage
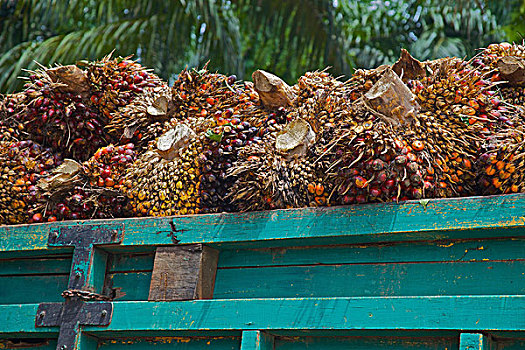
pixel 287 37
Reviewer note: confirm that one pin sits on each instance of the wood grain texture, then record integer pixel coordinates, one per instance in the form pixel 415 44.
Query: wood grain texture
pixel 474 217
pixel 473 341
pixel 59 265
pixel 183 272
pixel 32 289
pixel 171 342
pixel 131 262
pixel 128 286
pixel 452 251
pixel 439 313
pixel 397 279
pixel 367 343
pixel 257 340
pixel 470 314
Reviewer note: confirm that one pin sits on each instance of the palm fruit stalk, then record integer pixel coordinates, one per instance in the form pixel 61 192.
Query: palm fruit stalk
pixel 58 115
pixel 115 82
pixel 143 119
pixel 22 164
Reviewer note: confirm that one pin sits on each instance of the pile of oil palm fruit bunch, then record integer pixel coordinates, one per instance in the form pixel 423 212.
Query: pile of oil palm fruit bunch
pixel 110 139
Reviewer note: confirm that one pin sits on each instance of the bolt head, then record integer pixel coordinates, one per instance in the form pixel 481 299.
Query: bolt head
pixel 42 314
pixel 63 347
pixel 104 312
pixel 78 274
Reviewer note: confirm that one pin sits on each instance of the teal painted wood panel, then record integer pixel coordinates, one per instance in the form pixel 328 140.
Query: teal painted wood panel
pixel 18 320
pixel 476 250
pixel 167 343
pixel 130 285
pixel 257 340
pixel 365 343
pixel 474 341
pixel 32 289
pixel 436 219
pixel 131 262
pixel 52 265
pixel 395 279
pixel 468 313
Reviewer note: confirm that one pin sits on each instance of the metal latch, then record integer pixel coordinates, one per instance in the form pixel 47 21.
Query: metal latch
pixel 81 307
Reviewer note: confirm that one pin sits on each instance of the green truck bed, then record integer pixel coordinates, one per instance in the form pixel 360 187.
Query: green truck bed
pixel 436 274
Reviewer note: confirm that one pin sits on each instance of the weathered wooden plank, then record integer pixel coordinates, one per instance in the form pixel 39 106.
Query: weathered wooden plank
pixel 467 313
pixel 131 262
pixel 97 271
pixel 170 342
pixel 366 343
pixel 473 217
pixel 129 285
pixel 473 341
pixel 58 265
pixel 32 289
pixel 476 250
pixel 397 279
pixel 183 272
pixel 257 340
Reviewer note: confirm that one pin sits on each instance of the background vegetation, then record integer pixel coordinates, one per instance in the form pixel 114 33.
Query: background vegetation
pixel 238 36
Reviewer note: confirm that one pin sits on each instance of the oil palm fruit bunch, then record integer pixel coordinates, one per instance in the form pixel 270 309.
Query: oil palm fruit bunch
pixel 10 108
pixel 81 203
pixel 498 61
pixel 274 172
pixel 115 82
pixel 203 94
pixel 514 95
pixel 58 115
pixel 164 180
pixel 461 91
pixel 220 150
pixel 502 162
pixel 75 191
pixel 22 164
pixel 460 111
pixel 280 172
pixel 487 60
pixel 143 119
pixel 369 160
pixel 109 164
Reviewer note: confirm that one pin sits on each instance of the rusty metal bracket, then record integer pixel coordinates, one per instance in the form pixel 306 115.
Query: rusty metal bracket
pixel 83 238
pixel 70 315
pixel 82 306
